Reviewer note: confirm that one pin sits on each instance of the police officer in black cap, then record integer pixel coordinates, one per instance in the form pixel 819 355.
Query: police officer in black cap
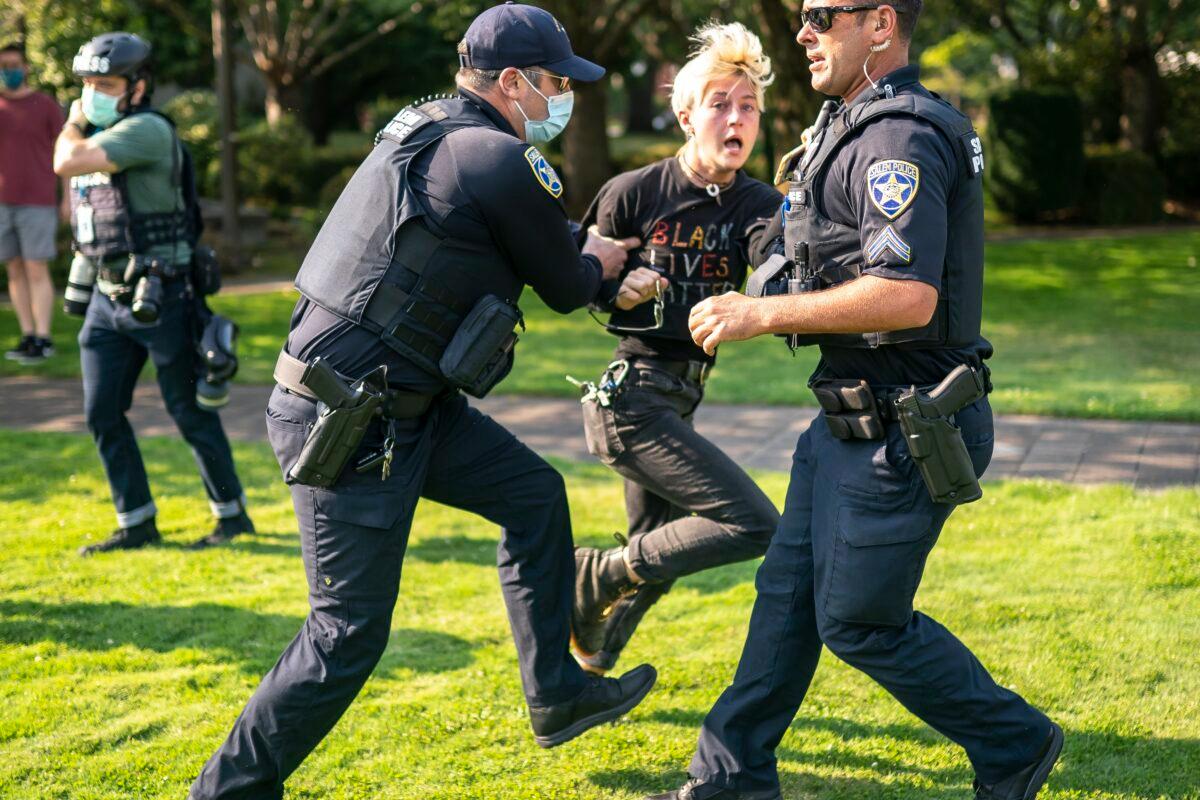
pixel 878 254
pixel 409 300
pixel 133 239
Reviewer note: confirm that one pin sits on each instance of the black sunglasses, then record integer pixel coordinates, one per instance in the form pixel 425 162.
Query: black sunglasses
pixel 820 19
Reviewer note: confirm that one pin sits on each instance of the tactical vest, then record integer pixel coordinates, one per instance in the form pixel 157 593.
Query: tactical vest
pixel 104 223
pixel 381 262
pixel 835 251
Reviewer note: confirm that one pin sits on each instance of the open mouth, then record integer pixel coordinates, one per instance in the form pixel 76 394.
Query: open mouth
pixel 815 61
pixel 733 145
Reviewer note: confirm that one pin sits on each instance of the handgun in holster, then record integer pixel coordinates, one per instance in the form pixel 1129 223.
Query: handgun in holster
pixel 935 442
pixel 345 411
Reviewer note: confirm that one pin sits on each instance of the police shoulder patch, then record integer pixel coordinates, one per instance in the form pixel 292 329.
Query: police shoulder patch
pixel 893 185
pixel 544 173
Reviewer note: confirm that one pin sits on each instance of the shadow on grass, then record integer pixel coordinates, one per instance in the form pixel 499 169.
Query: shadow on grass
pixel 251 640
pixel 454 550
pixel 1141 767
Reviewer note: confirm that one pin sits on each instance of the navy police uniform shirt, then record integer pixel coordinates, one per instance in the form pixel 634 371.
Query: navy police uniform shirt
pixel 895 181
pixel 479 184
pixel 699 242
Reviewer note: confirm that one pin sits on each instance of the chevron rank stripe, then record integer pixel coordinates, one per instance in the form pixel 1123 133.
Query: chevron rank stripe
pixel 888 239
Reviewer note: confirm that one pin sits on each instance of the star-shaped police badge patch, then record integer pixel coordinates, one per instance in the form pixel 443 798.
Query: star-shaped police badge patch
pixel 893 185
pixel 545 173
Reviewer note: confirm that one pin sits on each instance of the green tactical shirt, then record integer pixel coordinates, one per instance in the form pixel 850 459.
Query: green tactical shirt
pixel 140 145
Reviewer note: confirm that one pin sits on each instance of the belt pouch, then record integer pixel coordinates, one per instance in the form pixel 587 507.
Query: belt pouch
pixel 850 410
pixel 480 353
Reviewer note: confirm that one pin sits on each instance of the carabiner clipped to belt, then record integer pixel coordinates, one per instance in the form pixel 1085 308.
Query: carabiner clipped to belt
pixel 611 381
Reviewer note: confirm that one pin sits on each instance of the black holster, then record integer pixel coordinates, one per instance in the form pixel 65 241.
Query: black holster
pixel 935 442
pixel 345 412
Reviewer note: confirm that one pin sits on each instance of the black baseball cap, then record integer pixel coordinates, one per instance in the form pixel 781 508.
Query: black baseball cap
pixel 515 35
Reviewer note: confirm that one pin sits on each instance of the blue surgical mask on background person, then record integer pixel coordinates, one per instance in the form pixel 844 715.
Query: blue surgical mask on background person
pixel 100 108
pixel 13 78
pixel 559 108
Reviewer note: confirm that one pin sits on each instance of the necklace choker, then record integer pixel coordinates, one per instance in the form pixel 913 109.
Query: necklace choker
pixel 712 188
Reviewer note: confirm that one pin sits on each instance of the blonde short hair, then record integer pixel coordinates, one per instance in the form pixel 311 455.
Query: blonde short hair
pixel 722 51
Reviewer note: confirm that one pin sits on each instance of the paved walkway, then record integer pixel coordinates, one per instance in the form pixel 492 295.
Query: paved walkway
pixel 1148 455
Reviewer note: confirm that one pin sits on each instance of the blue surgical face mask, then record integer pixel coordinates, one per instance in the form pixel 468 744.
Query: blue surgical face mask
pixel 13 78
pixel 100 108
pixel 540 131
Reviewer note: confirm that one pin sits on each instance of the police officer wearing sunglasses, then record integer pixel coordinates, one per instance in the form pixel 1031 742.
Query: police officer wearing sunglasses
pixel 876 258
pixel 409 300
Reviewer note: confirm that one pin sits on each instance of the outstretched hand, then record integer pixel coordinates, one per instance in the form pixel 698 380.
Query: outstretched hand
pixel 610 252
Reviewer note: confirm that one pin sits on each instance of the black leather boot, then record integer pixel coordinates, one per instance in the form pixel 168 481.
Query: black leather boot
pixel 226 529
pixel 601 578
pixel 620 622
pixel 130 538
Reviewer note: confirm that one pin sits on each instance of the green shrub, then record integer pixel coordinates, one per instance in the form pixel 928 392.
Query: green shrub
pixel 273 163
pixel 196 120
pixel 1121 187
pixel 1035 153
pixel 1181 169
pixel 332 189
pixel 379 112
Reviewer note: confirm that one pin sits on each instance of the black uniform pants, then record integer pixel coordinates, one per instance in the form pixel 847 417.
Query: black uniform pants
pixel 842 570
pixel 113 348
pixel 353 537
pixel 690 506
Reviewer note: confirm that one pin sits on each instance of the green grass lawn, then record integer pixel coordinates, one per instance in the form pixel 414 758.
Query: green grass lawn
pixel 123 672
pixel 1082 327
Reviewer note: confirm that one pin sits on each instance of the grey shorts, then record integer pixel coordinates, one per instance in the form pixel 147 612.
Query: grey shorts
pixel 28 232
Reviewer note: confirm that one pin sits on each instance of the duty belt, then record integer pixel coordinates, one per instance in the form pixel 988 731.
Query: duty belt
pixel 399 404
pixel 694 371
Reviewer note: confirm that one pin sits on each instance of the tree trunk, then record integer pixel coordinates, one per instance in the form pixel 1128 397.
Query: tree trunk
pixel 586 161
pixel 791 101
pixel 282 98
pixel 641 90
pixel 1143 98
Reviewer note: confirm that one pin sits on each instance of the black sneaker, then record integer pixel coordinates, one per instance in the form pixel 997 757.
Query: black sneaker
pixel 696 789
pixel 1026 783
pixel 139 535
pixel 37 352
pixel 603 700
pixel 20 350
pixel 226 529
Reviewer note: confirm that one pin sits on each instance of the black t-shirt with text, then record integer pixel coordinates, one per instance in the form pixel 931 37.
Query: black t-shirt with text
pixel 698 242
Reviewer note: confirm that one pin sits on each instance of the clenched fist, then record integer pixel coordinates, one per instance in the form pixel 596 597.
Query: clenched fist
pixel 639 286
pixel 729 317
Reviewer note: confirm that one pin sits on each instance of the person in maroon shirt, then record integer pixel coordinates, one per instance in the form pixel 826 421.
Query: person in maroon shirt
pixel 29 123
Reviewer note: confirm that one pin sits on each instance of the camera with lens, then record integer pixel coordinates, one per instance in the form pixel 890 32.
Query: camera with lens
pixel 79 285
pixel 217 349
pixel 147 271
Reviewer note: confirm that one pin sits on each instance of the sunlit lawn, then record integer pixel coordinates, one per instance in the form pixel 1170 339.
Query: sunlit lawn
pixel 123 672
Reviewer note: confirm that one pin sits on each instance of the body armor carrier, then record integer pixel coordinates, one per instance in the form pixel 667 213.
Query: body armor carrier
pixel 106 226
pixel 381 262
pixel 834 251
